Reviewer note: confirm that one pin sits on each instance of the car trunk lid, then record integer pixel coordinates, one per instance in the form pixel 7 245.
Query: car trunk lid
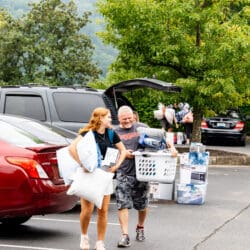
pixel 115 91
pixel 46 157
pixel 222 123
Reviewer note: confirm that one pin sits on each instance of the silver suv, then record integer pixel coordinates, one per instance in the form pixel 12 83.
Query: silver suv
pixel 70 107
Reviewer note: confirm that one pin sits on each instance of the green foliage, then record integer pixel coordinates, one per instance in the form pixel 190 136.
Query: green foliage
pixel 10 43
pixel 46 45
pixel 146 101
pixel 203 46
pixel 103 54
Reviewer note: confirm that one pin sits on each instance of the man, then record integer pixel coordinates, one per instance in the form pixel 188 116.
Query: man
pixel 130 192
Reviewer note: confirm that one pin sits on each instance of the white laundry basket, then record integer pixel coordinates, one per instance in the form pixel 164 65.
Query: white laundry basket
pixel 157 166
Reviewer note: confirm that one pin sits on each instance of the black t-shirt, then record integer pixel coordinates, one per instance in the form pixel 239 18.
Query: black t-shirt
pixel 104 142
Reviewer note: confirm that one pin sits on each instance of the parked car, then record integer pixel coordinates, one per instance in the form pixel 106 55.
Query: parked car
pixel 224 128
pixel 71 107
pixel 30 183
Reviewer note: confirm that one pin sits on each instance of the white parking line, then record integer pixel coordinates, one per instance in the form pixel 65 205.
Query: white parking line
pixel 48 219
pixel 69 221
pixel 30 247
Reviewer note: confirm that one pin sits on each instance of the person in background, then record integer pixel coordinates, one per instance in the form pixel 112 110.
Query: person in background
pixel 163 121
pixel 187 121
pixel 179 112
pixel 170 118
pixel 137 119
pixel 136 116
pixel 99 123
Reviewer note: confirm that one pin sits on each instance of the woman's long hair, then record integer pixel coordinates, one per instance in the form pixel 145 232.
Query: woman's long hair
pixel 95 119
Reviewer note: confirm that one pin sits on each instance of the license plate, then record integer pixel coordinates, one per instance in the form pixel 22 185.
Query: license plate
pixel 221 125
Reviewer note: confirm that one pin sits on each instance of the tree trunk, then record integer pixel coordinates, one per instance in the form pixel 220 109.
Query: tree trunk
pixel 196 134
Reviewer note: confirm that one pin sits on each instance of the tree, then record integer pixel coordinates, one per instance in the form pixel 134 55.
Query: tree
pixel 103 55
pixel 201 45
pixel 52 49
pixel 10 39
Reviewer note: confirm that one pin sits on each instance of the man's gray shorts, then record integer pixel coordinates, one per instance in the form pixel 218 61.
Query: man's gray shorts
pixel 131 193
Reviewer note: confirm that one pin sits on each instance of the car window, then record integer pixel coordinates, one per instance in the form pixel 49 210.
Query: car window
pixel 25 105
pixel 76 107
pixel 16 136
pixel 28 133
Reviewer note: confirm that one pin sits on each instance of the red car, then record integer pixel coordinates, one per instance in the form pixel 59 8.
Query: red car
pixel 29 178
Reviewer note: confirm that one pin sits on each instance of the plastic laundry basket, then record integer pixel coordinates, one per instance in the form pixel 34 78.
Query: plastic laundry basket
pixel 157 166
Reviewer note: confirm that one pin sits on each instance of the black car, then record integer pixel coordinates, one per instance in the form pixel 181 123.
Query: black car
pixel 228 127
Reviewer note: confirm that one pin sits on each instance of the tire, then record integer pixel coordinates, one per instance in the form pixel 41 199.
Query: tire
pixel 204 141
pixel 14 221
pixel 242 143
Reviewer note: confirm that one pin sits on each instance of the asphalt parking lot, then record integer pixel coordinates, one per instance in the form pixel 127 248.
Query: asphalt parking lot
pixel 222 222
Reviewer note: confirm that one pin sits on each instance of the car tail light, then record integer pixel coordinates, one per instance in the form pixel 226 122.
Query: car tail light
pixel 239 125
pixel 31 167
pixel 204 124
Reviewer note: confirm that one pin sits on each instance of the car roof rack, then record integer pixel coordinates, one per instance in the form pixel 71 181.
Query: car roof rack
pixel 25 85
pixel 30 85
pixel 75 87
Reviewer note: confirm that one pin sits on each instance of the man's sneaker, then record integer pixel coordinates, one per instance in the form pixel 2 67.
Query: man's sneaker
pixel 124 241
pixel 99 245
pixel 140 234
pixel 84 244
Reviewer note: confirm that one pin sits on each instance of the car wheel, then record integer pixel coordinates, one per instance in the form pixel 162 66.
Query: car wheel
pixel 14 221
pixel 204 141
pixel 242 142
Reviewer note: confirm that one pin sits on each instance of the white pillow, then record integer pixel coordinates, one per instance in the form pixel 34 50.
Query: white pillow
pixel 158 114
pixel 87 151
pixel 91 186
pixel 66 164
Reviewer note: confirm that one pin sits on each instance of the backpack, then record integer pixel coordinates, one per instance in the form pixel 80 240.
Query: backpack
pixel 111 135
pixel 111 138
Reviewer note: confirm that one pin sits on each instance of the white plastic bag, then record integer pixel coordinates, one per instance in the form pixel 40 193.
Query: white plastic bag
pixel 155 133
pixel 91 186
pixel 87 151
pixel 66 164
pixel 158 114
pixel 169 115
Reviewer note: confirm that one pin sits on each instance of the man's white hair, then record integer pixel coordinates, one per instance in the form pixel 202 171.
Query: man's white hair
pixel 125 109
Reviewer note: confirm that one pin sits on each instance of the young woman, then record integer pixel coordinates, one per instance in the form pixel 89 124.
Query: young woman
pixel 99 123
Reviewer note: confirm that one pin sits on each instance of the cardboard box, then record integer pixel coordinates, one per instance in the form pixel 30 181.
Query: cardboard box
pixel 184 159
pixel 161 191
pixel 196 158
pixel 185 174
pixel 198 177
pixel 191 193
pixel 193 174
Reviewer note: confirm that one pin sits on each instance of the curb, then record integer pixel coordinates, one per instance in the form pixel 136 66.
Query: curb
pixel 230 160
pixel 220 157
